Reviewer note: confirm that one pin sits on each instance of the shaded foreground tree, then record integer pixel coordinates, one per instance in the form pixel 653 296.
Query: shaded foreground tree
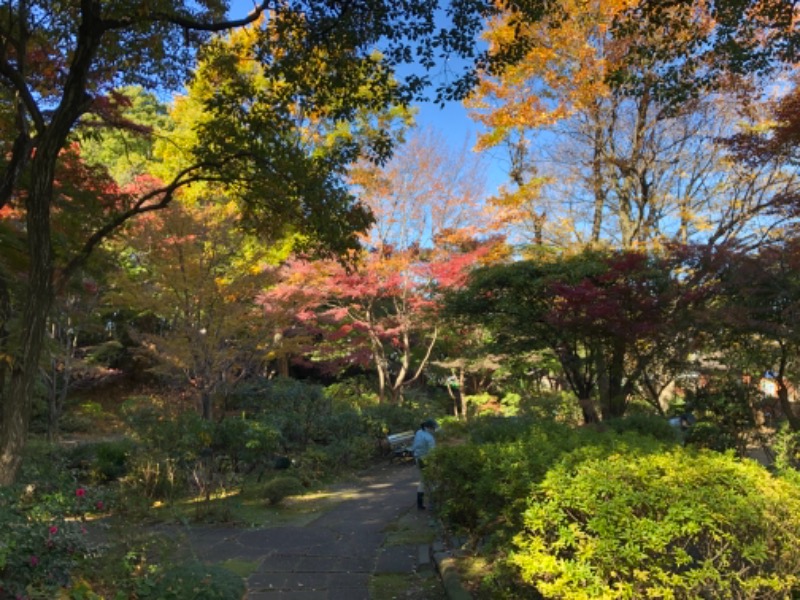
pixel 59 65
pixel 760 307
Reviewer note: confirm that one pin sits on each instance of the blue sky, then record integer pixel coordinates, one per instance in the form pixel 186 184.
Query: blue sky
pixel 455 126
pixel 451 121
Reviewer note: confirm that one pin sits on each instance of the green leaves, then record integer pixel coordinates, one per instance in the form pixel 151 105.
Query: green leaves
pixel 633 524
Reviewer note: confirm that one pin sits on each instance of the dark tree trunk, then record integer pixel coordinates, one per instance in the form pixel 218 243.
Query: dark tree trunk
pixel 19 397
pixel 49 140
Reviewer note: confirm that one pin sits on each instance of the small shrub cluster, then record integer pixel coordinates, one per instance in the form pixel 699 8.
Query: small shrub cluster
pixel 726 415
pixel 44 537
pixel 644 424
pixel 622 511
pixel 279 488
pixel 183 454
pixel 787 449
pixel 101 462
pixel 481 487
pixel 656 525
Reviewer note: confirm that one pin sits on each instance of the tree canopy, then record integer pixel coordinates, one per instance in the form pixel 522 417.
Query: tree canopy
pixel 60 67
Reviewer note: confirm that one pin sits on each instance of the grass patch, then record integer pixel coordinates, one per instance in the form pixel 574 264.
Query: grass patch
pixel 473 572
pixel 412 528
pixel 242 568
pixel 414 586
pixel 249 509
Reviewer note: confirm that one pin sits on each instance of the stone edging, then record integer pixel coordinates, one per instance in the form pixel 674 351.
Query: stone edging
pixel 445 565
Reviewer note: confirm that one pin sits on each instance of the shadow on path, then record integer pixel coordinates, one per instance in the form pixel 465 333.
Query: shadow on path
pixel 335 555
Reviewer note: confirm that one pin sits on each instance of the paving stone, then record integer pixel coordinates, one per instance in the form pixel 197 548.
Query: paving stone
pixel 397 559
pixel 280 563
pixel 352 581
pixel 266 581
pixel 319 564
pixel 331 558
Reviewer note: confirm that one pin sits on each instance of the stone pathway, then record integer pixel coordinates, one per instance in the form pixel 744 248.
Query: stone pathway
pixel 334 556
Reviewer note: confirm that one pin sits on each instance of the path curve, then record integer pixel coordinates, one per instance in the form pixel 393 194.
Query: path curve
pixel 332 557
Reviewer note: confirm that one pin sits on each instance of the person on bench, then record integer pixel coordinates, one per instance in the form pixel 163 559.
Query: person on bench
pixel 424 442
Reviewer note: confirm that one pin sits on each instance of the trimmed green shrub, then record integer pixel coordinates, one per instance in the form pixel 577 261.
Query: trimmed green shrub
pixel 725 416
pixel 653 425
pixel 100 462
pixel 278 489
pixel 352 392
pixel 490 428
pixel 713 437
pixel 673 524
pixel 480 488
pixel 248 443
pixel 183 436
pixel 383 419
pixel 787 449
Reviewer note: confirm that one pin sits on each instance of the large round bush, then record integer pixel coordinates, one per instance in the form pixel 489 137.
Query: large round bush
pixel 661 525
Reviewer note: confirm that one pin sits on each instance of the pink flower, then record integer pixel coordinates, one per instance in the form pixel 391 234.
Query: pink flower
pixel 34 560
pixel 99 505
pixel 80 492
pixel 53 530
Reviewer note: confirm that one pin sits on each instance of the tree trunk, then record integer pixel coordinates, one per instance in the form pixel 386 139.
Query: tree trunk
pixel 783 394
pixel 206 404
pixel 60 388
pixel 598 183
pixel 17 403
pixel 38 296
pixel 5 317
pixel 282 360
pixel 613 392
pixel 381 368
pixel 589 412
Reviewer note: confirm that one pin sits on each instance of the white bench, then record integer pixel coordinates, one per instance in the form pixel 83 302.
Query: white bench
pixel 400 444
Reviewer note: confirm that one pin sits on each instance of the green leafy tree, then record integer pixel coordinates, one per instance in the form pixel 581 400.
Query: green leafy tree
pixel 198 274
pixel 607 316
pixel 59 65
pixel 760 308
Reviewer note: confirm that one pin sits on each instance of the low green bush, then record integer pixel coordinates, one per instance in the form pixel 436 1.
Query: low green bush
pixel 352 392
pixel 248 443
pixel 348 453
pixel 383 419
pixel 278 489
pixel 44 538
pixel 673 524
pixel 653 425
pixel 101 462
pixel 546 405
pixel 712 436
pixel 787 449
pixel 181 436
pixel 480 488
pixel 724 411
pixel 493 429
